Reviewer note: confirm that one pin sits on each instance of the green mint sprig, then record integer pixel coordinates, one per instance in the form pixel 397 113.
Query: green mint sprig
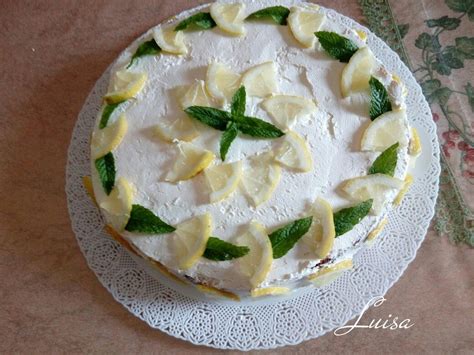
pixel 286 237
pixel 106 168
pixel 146 48
pixel 145 221
pixel 379 100
pixel 347 218
pixel 201 20
pixel 227 138
pixel 277 14
pixel 337 46
pixel 219 250
pixel 234 122
pixel 107 112
pixel 386 162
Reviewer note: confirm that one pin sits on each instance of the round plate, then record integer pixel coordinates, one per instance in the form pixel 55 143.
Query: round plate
pixel 267 323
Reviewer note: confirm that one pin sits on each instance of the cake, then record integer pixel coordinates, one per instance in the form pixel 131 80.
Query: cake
pixel 250 148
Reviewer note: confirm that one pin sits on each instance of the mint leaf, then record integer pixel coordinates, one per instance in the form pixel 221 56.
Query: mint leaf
pixel 106 168
pixel 219 250
pixel 286 237
pixel 337 46
pixel 379 101
pixel 278 14
pixel 237 108
pixel 227 138
pixel 201 20
pixel 145 221
pixel 210 116
pixel 107 112
pixel 256 127
pixel 347 218
pixel 146 48
pixel 386 162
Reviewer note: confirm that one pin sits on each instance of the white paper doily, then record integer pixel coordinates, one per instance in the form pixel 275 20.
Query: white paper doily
pixel 263 324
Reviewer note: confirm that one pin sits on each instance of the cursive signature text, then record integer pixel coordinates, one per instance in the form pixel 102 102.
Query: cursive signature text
pixel 390 323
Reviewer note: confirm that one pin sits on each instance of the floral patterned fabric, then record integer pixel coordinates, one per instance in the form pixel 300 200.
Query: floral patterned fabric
pixel 435 39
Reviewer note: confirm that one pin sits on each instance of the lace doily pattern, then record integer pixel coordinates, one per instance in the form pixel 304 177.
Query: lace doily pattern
pixel 259 324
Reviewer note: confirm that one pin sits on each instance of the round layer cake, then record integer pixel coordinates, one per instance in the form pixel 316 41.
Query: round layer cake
pixel 148 137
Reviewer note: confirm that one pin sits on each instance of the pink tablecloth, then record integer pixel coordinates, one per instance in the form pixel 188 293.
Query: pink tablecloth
pixel 51 54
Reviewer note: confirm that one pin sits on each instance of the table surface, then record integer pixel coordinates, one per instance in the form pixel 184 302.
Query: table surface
pixel 52 53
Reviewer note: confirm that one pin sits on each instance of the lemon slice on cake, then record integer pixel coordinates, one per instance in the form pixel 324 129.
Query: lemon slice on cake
pixel 262 178
pixel 322 231
pixel 328 274
pixel 294 153
pixel 107 139
pixel 229 17
pixel 303 24
pixel 223 179
pixel 386 130
pixel 118 204
pixel 379 187
pixel 286 109
pixel 170 41
pixel 406 186
pixel 182 128
pixel 190 161
pixel 191 239
pixel 257 263
pixel 124 86
pixel 415 143
pixel 260 80
pixel 269 291
pixel 221 82
pixel 194 95
pixel 356 74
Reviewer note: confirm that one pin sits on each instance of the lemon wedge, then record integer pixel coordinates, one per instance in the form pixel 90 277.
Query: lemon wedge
pixel 376 231
pixel 107 139
pixel 87 183
pixel 257 263
pixel 328 274
pixel 124 86
pixel 303 24
pixel 415 143
pixel 221 82
pixel 294 153
pixel 223 179
pixel 386 130
pixel 356 74
pixel 269 291
pixel 378 187
pixel 229 17
pixel 286 109
pixel 214 291
pixel 262 178
pixel 260 80
pixel 170 41
pixel 191 239
pixel 190 161
pixel 322 231
pixel 194 95
pixel 118 204
pixel 182 128
pixel 361 34
pixel 406 186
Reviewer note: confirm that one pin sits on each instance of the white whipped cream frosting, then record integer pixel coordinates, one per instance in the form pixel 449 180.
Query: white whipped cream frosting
pixel 333 134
